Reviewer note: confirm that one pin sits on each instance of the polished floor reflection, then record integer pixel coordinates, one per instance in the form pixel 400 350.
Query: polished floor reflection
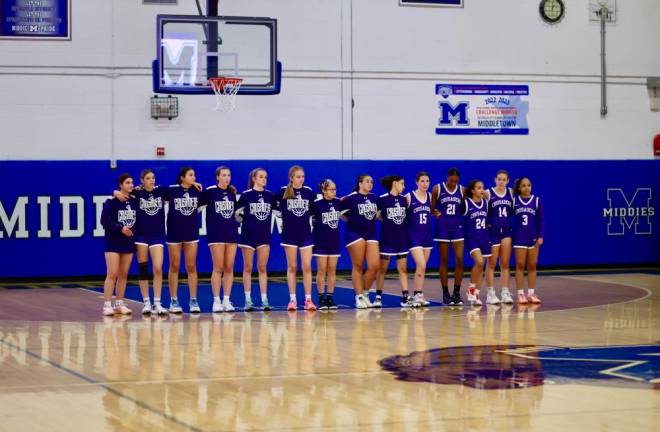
pixel 436 369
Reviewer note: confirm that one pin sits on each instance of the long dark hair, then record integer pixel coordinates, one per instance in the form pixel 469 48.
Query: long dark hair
pixel 387 181
pixel 122 178
pixel 516 184
pixel 358 181
pixel 218 170
pixel 182 173
pixel 469 191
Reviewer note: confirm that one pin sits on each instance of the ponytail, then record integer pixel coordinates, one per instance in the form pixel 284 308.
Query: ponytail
pixel 358 181
pixel 387 181
pixel 289 193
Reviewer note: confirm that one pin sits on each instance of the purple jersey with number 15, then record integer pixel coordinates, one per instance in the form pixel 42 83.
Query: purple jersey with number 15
pixel 419 222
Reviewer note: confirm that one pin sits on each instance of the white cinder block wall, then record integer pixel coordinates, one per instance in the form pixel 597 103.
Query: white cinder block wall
pixel 58 101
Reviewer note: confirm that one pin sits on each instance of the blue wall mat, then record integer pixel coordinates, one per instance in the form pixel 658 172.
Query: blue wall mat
pixel 583 202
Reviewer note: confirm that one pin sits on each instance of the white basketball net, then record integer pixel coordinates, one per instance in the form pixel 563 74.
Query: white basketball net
pixel 225 89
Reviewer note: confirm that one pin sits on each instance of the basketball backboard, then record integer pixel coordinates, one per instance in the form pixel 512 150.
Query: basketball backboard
pixel 191 49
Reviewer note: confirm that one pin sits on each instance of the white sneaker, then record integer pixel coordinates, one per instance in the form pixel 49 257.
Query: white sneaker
pixel 360 302
pixel 228 307
pixel 473 297
pixel 146 309
pixel 121 308
pixel 420 301
pixel 491 297
pixel 407 302
pixel 175 307
pixel 159 309
pixel 367 301
pixel 378 303
pixel 506 296
pixel 217 306
pixel 108 310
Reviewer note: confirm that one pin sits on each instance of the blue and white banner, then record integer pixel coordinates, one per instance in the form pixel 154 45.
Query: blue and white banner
pixel 467 109
pixel 35 19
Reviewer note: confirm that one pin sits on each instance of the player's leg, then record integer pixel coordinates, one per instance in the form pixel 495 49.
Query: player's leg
pixel 157 253
pixel 505 271
pixel 306 266
pixel 228 275
pixel 459 248
pixel 372 256
pixel 218 259
pixel 122 280
pixel 521 260
pixel 190 251
pixel 532 260
pixel 332 280
pixel 475 277
pixel 420 256
pixel 321 272
pixel 112 269
pixel 263 253
pixel 291 253
pixel 380 280
pixel 142 252
pixel 173 275
pixel 248 264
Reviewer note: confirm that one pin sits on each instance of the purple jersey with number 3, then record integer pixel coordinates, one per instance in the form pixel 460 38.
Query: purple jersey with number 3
pixel 529 224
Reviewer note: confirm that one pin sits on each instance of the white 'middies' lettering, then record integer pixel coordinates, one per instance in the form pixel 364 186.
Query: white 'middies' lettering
pixel 624 213
pixel 185 205
pixel 151 206
pixel 44 231
pixel 297 206
pixel 368 210
pixel 17 217
pixel 397 214
pixel 98 201
pixel 79 203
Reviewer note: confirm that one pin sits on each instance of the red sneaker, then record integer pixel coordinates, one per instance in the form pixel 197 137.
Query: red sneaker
pixel 532 298
pixel 292 306
pixel 309 305
pixel 522 299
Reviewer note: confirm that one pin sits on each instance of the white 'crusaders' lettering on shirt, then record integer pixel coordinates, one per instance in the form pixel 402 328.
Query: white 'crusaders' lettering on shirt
pixel 330 218
pixel 260 210
pixel 225 208
pixel 151 206
pixel 368 210
pixel 396 214
pixel 127 217
pixel 298 206
pixel 185 205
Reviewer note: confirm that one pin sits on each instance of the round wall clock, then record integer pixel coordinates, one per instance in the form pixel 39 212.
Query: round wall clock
pixel 552 11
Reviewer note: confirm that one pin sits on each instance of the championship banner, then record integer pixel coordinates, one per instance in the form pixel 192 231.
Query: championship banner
pixel 35 19
pixel 470 109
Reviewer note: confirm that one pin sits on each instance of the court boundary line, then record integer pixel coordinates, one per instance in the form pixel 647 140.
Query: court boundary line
pixel 102 385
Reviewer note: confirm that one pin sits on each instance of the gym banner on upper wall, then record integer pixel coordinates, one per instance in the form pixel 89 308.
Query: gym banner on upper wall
pixel 35 19
pixel 469 109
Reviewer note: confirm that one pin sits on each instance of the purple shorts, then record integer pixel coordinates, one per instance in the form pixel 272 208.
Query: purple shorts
pixel 449 234
pixel 497 234
pixel 481 243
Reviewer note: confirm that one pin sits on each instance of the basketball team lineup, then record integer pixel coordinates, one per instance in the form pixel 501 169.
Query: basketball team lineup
pixel 488 223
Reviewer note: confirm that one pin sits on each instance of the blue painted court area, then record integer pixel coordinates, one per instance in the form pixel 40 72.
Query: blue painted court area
pixel 278 296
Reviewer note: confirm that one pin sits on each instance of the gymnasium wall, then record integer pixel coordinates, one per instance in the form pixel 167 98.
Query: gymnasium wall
pixel 89 98
pixel 596 213
pixel 358 94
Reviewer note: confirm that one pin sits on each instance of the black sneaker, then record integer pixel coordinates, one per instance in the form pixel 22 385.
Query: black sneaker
pixel 330 303
pixel 447 299
pixel 457 298
pixel 323 302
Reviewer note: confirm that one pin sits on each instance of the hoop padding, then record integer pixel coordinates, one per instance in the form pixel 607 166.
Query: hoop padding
pixel 225 89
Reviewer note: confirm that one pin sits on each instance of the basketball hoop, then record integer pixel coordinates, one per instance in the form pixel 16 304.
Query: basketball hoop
pixel 225 89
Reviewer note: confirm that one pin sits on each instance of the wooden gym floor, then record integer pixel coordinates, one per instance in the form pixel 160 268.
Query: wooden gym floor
pixel 586 359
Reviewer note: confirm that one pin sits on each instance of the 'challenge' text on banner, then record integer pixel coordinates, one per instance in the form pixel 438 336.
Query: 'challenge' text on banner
pixel 467 109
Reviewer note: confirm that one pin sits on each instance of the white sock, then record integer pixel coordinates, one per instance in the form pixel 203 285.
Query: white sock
pixel 175 298
pixel 156 300
pixel 308 296
pixel 119 302
pixel 530 291
pixel 107 304
pixel 292 298
pixel 264 298
pixel 248 299
pixel 226 299
pixel 521 292
pixel 146 300
pixel 216 299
